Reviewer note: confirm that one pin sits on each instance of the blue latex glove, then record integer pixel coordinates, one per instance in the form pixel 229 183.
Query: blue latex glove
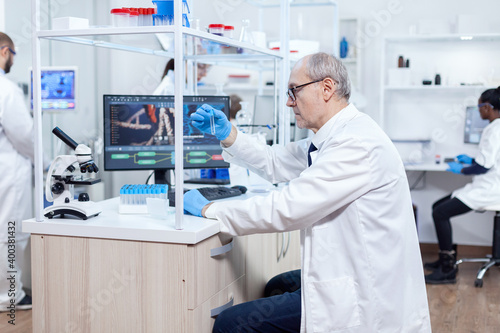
pixel 464 159
pixel 201 120
pixel 455 167
pixel 194 202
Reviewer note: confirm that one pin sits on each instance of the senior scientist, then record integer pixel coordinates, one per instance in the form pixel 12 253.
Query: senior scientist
pixel 349 196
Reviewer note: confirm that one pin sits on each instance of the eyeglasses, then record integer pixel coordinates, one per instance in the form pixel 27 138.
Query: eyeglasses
pixel 484 104
pixel 291 91
pixel 11 50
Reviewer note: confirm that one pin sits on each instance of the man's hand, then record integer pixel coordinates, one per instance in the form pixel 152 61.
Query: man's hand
pixel 194 202
pixel 465 159
pixel 455 167
pixel 201 120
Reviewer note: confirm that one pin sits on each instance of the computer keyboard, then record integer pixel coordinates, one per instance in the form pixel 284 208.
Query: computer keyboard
pixel 212 193
pixel 209 181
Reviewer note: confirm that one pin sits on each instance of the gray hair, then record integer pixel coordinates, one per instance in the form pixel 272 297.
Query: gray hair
pixel 322 65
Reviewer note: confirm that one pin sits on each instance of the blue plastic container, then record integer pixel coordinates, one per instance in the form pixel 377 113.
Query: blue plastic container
pixel 164 7
pixel 344 47
pixel 165 13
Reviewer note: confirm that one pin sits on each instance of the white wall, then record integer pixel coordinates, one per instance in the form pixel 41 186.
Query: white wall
pixel 378 21
pixel 2 15
pixel 471 228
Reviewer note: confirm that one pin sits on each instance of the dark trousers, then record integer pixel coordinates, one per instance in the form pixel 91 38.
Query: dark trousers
pixel 442 211
pixel 279 311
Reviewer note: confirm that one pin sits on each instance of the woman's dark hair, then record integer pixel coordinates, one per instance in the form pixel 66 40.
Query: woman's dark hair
pixel 169 66
pixel 235 106
pixel 491 96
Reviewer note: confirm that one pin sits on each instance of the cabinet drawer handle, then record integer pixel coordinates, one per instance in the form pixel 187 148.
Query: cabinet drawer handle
pixel 280 254
pixel 216 311
pixel 287 245
pixel 221 250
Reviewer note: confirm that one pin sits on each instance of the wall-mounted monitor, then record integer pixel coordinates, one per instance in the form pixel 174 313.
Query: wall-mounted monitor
pixel 58 86
pixel 474 125
pixel 139 133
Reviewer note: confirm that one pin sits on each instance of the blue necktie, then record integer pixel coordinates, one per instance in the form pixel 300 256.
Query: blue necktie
pixel 311 149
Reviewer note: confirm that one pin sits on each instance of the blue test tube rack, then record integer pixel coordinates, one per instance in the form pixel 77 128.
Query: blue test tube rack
pixel 133 197
pixel 165 13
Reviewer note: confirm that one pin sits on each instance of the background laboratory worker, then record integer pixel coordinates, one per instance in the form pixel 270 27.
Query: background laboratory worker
pixel 166 86
pixel 16 158
pixel 234 107
pixel 484 190
pixel 349 196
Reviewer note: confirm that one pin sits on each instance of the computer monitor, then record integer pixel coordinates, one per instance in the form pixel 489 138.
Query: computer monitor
pixel 139 133
pixel 474 125
pixel 58 86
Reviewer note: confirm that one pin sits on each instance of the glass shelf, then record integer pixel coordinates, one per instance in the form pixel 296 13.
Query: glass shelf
pixel 434 87
pixel 424 141
pixel 350 60
pixel 293 3
pixel 444 38
pixel 85 37
pixel 235 87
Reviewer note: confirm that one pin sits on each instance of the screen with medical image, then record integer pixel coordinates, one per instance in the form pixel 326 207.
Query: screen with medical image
pixel 57 88
pixel 139 133
pixel 474 125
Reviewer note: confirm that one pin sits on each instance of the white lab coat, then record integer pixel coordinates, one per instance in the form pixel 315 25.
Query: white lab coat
pixel 484 190
pixel 16 157
pixel 166 86
pixel 361 264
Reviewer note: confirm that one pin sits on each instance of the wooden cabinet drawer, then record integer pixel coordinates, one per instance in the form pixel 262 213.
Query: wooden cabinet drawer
pixel 268 256
pixel 201 319
pixel 213 264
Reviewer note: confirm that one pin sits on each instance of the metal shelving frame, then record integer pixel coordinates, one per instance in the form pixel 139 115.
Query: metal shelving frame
pixel 88 37
pixel 285 5
pixel 279 62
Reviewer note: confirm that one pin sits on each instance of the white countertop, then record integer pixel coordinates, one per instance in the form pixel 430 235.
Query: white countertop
pixel 426 167
pixel 139 227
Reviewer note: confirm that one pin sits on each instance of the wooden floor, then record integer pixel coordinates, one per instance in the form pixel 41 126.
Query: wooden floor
pixel 455 308
pixel 461 307
pixel 23 322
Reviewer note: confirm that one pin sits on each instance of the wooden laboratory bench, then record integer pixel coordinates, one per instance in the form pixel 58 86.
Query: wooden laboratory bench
pixel 132 273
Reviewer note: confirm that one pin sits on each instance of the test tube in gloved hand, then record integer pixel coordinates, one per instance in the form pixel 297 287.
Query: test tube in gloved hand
pixel 201 119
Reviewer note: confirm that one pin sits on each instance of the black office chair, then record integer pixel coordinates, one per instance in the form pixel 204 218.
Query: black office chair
pixel 490 259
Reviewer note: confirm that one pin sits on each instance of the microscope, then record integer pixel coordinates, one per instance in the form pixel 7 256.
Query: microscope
pixel 59 185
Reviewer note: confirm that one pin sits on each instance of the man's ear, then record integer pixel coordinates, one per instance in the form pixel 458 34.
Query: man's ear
pixel 329 88
pixel 3 52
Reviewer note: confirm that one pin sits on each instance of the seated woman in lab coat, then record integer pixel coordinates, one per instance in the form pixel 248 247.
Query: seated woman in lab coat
pixel 484 190
pixel 166 86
